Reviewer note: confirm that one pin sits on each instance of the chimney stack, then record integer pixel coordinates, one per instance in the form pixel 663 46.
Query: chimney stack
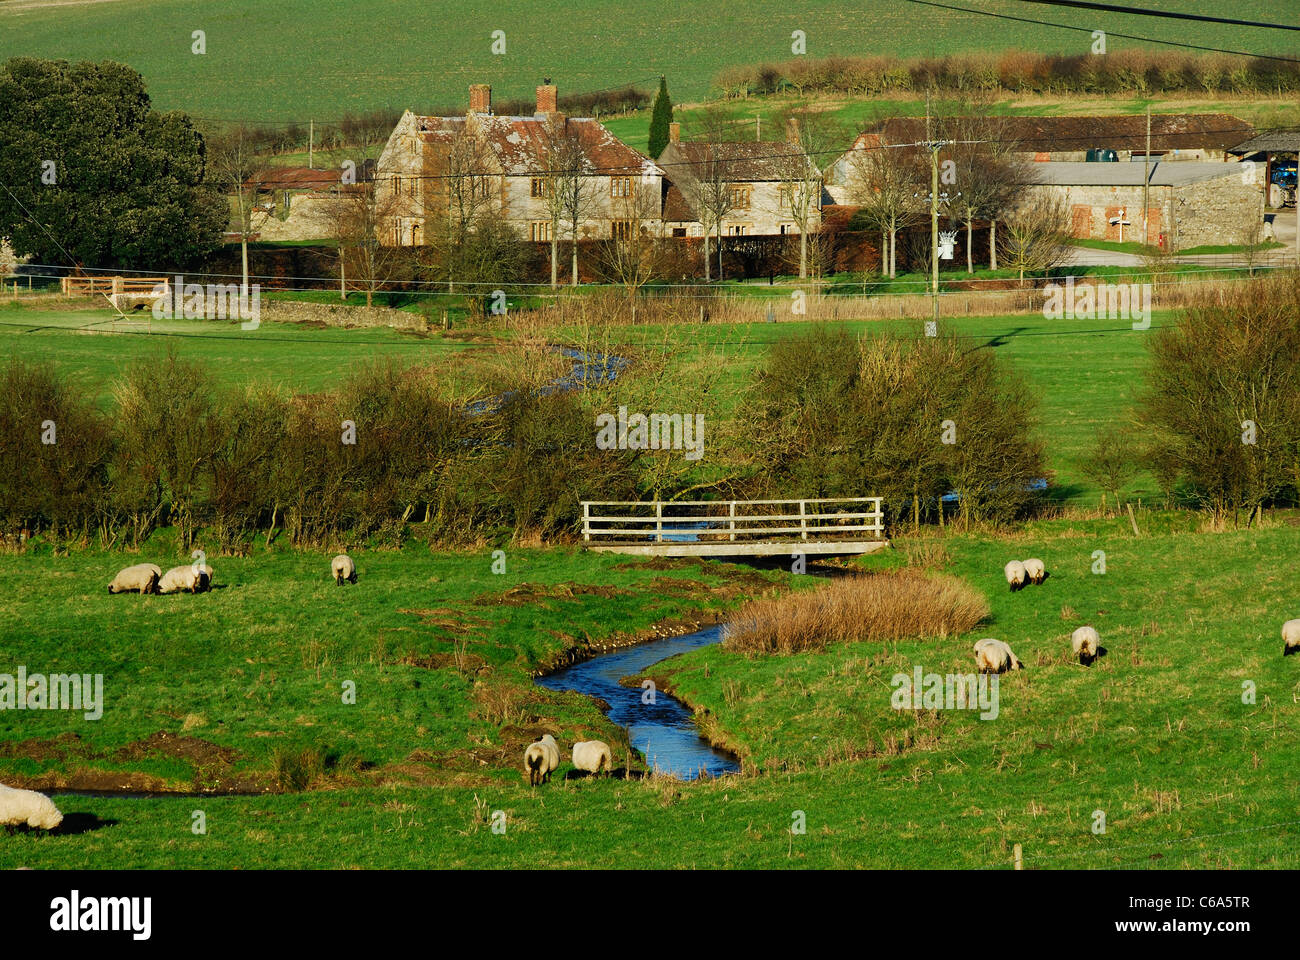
pixel 480 98
pixel 547 99
pixel 674 132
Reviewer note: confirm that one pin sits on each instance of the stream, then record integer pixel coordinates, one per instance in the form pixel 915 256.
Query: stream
pixel 664 732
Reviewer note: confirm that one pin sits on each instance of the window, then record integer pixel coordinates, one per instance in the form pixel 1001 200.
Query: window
pixel 620 229
pixel 787 195
pixel 787 228
pixel 620 186
pixel 738 229
pixel 539 187
pixel 539 231
pixel 679 231
pixel 740 194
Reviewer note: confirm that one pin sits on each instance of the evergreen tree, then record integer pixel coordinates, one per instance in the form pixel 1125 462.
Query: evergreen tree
pixel 660 116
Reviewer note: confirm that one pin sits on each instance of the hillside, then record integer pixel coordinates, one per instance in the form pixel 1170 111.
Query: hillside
pixel 262 63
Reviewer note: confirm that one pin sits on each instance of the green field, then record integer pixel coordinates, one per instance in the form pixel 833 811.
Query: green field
pixel 203 691
pixel 317 59
pixel 242 689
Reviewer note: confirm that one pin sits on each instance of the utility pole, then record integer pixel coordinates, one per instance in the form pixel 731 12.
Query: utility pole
pixel 758 127
pixel 311 144
pixel 934 214
pixel 1146 183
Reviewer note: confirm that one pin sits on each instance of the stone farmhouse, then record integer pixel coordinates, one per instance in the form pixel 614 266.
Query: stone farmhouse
pixel 499 164
pixel 763 178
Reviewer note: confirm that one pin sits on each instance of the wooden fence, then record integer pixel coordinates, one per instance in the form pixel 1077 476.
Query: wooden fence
pixel 719 521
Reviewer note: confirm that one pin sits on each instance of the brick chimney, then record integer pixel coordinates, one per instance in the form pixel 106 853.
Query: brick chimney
pixel 547 99
pixel 674 132
pixel 480 98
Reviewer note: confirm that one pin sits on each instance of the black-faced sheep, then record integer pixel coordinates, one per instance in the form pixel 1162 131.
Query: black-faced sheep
pixel 1035 570
pixel 19 807
pixel 994 656
pixel 1290 637
pixel 1015 574
pixel 141 578
pixel 342 568
pixel 540 759
pixel 591 755
pixel 205 578
pixel 1085 644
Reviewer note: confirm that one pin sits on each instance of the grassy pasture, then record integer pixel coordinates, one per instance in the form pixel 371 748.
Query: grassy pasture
pixel 286 62
pixel 1155 734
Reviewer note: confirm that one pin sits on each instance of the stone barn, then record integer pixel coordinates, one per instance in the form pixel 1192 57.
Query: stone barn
pixel 1190 204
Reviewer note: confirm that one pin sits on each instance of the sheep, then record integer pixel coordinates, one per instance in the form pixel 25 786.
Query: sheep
pixel 994 656
pixel 205 578
pixel 142 577
pixel 1086 644
pixel 541 757
pixel 342 568
pixel 1035 570
pixel 178 579
pixel 1290 637
pixel 1016 575
pixel 18 807
pixel 590 755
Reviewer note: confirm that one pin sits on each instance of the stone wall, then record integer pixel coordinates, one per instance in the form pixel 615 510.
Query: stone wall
pixel 289 311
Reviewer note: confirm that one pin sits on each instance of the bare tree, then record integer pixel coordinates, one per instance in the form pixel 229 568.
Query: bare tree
pixel 706 182
pixel 363 216
pixel 632 255
pixel 813 137
pixel 1037 235
pixel 568 190
pixel 233 162
pixel 987 176
pixel 465 186
pixel 886 181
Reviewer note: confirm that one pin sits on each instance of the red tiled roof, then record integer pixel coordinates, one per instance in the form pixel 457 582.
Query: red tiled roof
pixel 293 178
pixel 743 160
pixel 519 143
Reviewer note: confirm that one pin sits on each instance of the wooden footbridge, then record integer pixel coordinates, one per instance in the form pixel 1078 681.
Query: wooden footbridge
pixel 731 528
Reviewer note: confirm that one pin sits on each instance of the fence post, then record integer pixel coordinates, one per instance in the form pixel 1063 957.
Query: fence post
pixel 1019 858
pixel 586 520
pixel 659 521
pixel 803 519
pixel 733 519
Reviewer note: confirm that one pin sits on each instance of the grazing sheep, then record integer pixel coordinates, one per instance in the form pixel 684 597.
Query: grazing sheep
pixel 1085 643
pixel 342 568
pixel 1290 637
pixel 143 577
pixel 589 755
pixel 540 759
pixel 205 578
pixel 179 579
pixel 1016 575
pixel 1035 570
pixel 994 656
pixel 18 807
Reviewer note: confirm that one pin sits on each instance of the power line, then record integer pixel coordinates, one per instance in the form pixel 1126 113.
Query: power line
pixel 1167 14
pixel 1089 30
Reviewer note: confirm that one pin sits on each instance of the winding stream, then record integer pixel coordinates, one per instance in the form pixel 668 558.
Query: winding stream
pixel 664 732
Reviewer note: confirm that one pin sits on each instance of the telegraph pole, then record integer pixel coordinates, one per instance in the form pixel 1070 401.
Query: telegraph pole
pixel 311 144
pixel 1146 183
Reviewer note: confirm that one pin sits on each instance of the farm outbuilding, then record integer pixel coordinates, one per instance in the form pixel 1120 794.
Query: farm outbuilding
pixel 1190 204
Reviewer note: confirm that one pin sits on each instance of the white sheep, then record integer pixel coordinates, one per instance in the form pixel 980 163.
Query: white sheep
pixel 994 656
pixel 1086 643
pixel 1290 637
pixel 178 579
pixel 142 577
pixel 540 759
pixel 1035 570
pixel 590 755
pixel 1016 575
pixel 18 807
pixel 342 568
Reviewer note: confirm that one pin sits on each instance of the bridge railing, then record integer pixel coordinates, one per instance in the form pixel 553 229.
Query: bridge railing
pixel 827 518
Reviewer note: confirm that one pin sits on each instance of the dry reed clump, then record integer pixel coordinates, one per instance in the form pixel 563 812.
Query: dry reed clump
pixel 881 606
